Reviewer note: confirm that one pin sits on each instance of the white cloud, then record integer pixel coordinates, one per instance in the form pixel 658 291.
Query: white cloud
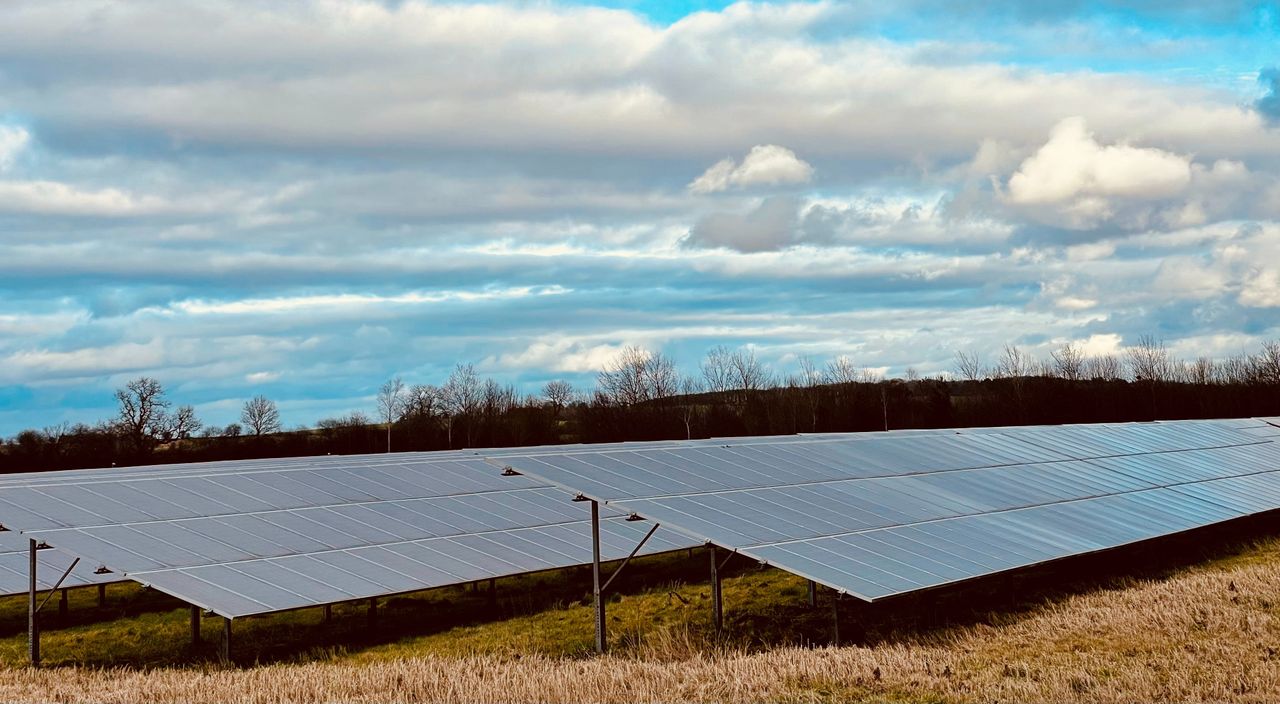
pixel 764 165
pixel 1074 181
pixel 55 198
pixel 12 141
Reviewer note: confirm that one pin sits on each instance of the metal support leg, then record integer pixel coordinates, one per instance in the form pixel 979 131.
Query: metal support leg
pixel 493 592
pixel 835 617
pixel 224 648
pixel 63 607
pixel 717 604
pixel 813 594
pixel 328 613
pixel 595 577
pixel 102 596
pixel 195 625
pixel 373 611
pixel 33 616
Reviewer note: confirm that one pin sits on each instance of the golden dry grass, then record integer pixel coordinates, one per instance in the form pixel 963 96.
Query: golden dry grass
pixel 1208 633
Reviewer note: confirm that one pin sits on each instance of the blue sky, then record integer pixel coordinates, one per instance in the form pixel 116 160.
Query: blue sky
pixel 304 199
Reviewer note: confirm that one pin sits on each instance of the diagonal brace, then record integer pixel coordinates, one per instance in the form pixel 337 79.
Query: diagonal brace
pixel 624 562
pixel 59 584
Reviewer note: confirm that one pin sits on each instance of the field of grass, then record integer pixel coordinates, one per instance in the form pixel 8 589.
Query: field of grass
pixel 1196 620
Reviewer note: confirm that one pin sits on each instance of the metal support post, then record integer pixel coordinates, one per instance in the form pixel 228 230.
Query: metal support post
pixel 493 592
pixel 373 611
pixel 328 613
pixel 195 625
pixel 717 603
pixel 63 607
pixel 595 577
pixel 224 648
pixel 33 615
pixel 813 594
pixel 835 617
pixel 102 596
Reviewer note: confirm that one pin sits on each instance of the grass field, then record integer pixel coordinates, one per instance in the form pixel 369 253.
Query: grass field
pixel 1196 620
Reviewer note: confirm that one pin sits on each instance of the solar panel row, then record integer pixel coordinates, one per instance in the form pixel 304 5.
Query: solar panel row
pixel 276 535
pixel 878 517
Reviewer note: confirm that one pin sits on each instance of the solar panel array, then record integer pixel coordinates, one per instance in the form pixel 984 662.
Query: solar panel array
pixel 247 538
pixel 870 514
pixel 882 516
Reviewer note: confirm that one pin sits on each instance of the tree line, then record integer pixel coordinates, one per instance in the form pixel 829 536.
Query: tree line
pixel 643 395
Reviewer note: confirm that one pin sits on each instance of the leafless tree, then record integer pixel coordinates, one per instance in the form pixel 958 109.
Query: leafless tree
pixel 842 370
pixel 232 431
pixel 637 375
pixel 1104 367
pixel 422 401
pixel 460 398
pixel 559 393
pixel 969 366
pixel 689 388
pixel 717 369
pixel 1201 371
pixel 391 404
pixel 1013 363
pixel 749 373
pixel 1149 360
pixel 1268 363
pixel 142 412
pixel 261 416
pixel 1068 362
pixel 184 423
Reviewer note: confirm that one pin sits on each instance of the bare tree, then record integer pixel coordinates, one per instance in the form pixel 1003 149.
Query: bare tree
pixel 261 416
pixel 142 412
pixel 1013 363
pixel 559 394
pixel 842 370
pixel 689 388
pixel 1268 362
pixel 1068 362
pixel 421 401
pixel 1149 360
pixel 749 373
pixel 969 366
pixel 391 404
pixel 717 369
pixel 1103 367
pixel 637 375
pixel 184 423
pixel 460 398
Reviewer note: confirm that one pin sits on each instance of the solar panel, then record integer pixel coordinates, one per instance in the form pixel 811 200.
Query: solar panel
pixel 247 538
pixel 879 517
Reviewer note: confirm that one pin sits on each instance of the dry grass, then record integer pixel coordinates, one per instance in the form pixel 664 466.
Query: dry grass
pixel 1207 633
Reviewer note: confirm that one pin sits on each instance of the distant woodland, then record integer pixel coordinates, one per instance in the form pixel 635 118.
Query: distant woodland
pixel 642 395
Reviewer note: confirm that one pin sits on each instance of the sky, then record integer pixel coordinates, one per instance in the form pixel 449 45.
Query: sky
pixel 303 199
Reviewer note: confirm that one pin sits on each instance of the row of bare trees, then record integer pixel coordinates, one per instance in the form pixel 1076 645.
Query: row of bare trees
pixel 643 394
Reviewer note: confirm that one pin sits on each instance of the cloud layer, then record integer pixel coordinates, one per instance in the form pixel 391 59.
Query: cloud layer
pixel 302 199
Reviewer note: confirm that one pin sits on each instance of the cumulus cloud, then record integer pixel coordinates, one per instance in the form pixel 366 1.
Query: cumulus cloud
pixel 764 165
pixel 772 225
pixel 1074 181
pixel 1269 104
